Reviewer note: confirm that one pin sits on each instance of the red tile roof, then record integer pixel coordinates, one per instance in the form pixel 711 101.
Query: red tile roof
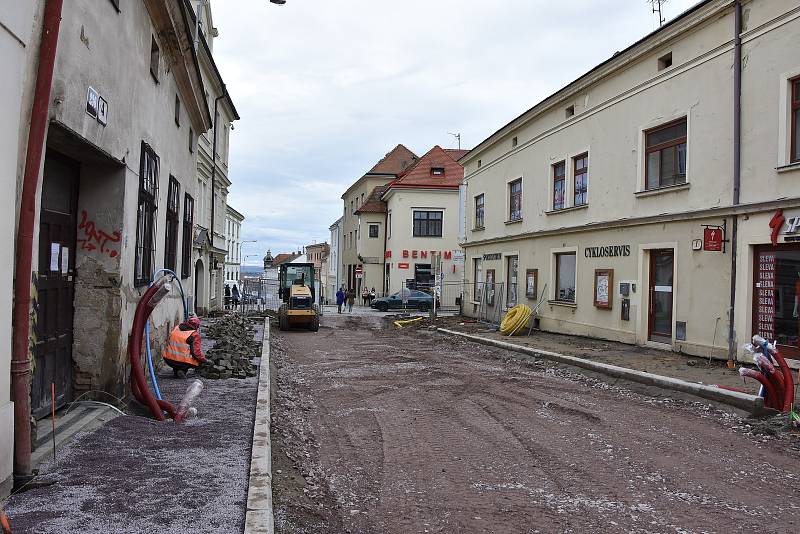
pixel 395 162
pixel 283 258
pixel 421 175
pixel 374 204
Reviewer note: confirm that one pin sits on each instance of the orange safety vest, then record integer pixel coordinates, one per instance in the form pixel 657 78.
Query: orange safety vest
pixel 178 348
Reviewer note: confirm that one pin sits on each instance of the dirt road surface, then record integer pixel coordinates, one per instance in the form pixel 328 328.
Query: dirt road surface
pixel 379 430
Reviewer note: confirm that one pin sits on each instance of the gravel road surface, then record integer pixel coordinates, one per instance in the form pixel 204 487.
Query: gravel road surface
pixel 382 430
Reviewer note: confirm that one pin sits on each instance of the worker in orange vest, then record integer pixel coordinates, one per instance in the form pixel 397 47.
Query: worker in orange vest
pixel 184 349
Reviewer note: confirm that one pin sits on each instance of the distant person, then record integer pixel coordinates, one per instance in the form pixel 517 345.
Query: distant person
pixel 235 295
pixel 185 348
pixel 351 297
pixel 227 296
pixel 365 296
pixel 372 296
pixel 340 297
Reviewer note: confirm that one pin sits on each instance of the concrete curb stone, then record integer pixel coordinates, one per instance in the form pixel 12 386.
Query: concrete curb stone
pixel 750 403
pixel 259 518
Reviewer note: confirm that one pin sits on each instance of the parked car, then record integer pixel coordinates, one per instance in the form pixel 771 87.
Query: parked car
pixel 416 300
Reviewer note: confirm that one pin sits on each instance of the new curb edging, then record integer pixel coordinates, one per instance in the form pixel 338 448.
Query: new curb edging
pixel 750 403
pixel 259 518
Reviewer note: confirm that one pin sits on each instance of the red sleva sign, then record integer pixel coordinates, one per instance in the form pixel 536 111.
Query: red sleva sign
pixel 712 239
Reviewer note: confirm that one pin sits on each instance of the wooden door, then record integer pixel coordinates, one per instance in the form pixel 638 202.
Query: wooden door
pixel 55 283
pixel 661 288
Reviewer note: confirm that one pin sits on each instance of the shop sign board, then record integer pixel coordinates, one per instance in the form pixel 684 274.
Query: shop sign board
pixel 402 266
pixel 493 256
pixel 765 294
pixel 712 239
pixel 608 251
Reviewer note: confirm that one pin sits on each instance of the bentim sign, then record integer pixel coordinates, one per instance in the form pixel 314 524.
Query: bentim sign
pixel 421 254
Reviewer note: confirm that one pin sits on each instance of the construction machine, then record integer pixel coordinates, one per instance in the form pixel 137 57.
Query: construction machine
pixel 296 290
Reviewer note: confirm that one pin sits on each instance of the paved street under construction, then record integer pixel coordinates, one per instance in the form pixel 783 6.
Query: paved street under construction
pixel 384 430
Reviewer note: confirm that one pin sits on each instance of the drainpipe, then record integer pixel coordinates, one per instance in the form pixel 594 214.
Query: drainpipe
pixel 737 168
pixel 20 356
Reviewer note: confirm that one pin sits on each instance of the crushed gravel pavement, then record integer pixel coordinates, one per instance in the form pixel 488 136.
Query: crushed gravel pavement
pixel 136 475
pixel 378 430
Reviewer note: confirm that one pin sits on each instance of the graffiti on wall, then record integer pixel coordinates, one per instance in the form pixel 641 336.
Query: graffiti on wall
pixel 90 238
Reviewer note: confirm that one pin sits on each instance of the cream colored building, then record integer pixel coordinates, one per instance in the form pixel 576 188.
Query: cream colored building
pixel 213 150
pixel 421 222
pixel 233 242
pixel 351 260
pixel 610 197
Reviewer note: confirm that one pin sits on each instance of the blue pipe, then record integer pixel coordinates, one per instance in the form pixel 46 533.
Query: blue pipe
pixel 176 278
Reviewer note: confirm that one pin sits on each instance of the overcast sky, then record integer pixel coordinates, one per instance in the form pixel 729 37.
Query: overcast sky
pixel 326 87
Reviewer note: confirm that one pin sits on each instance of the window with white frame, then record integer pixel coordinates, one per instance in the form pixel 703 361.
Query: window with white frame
pixel 565 277
pixel 665 155
pixel 559 185
pixel 373 230
pixel 427 223
pixel 479 204
pixel 795 138
pixel 580 165
pixel 515 200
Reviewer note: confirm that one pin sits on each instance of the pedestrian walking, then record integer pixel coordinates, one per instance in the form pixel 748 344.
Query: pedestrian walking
pixel 365 296
pixel 235 295
pixel 351 297
pixel 340 299
pixel 372 296
pixel 227 296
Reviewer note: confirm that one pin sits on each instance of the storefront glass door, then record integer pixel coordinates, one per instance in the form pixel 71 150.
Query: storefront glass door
pixel 660 311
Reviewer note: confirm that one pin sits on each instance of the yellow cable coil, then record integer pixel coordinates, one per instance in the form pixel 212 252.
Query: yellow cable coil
pixel 515 319
pixel 399 324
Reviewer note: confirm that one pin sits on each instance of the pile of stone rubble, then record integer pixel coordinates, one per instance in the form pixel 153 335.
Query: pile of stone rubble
pixel 234 349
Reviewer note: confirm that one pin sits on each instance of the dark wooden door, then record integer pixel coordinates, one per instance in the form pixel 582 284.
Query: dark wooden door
pixel 55 283
pixel 661 277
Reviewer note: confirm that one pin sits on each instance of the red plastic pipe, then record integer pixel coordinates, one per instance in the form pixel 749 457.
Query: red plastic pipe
pixel 772 397
pixel 20 359
pixel 138 384
pixel 775 378
pixel 788 383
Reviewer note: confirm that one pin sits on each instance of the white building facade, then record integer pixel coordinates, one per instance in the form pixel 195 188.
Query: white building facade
pixel 334 267
pixel 233 241
pixel 213 150
pixel 615 199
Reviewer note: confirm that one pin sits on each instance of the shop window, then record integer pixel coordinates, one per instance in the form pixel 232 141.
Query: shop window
pixel 155 55
pixel 511 280
pixel 188 227
pixel 146 216
pixel 581 167
pixel 666 155
pixel 479 201
pixel 477 282
pixel 171 241
pixel 373 230
pixel 559 185
pixel 565 277
pixel 795 120
pixel 776 296
pixel 427 224
pixel 515 200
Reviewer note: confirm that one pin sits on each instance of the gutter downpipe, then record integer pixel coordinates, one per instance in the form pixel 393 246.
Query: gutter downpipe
pixel 737 167
pixel 20 356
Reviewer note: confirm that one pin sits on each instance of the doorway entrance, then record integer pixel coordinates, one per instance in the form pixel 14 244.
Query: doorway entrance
pixel 660 285
pixel 55 284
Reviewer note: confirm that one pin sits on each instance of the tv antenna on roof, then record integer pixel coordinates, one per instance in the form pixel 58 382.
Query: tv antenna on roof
pixel 457 136
pixel 657 9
